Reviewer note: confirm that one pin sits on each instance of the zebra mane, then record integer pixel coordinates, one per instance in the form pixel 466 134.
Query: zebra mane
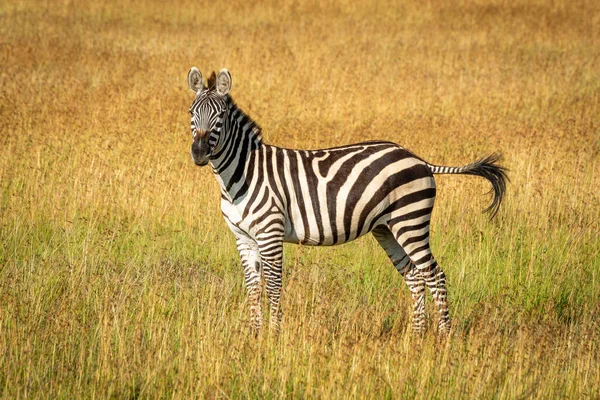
pixel 246 120
pixel 212 81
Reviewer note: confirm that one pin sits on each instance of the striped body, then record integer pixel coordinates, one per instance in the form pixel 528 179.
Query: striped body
pixel 271 195
pixel 330 196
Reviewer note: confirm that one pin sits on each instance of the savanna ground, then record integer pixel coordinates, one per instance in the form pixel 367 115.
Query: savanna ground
pixel 119 278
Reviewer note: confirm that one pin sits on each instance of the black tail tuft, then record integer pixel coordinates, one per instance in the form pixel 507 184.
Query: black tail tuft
pixel 488 168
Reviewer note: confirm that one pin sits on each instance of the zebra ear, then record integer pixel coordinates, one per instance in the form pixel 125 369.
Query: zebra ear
pixel 195 79
pixel 223 82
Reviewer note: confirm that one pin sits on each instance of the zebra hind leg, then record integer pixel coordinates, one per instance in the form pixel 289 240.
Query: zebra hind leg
pixel 416 244
pixel 412 277
pixel 416 284
pixel 435 280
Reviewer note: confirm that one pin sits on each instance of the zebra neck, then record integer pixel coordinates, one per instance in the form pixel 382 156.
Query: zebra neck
pixel 241 140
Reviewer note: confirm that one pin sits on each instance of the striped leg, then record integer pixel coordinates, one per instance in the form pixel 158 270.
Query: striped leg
pixel 416 283
pixel 414 280
pixel 415 242
pixel 271 253
pixel 250 256
pixel 436 282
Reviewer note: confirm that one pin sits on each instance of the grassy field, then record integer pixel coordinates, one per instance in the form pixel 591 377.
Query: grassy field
pixel 119 278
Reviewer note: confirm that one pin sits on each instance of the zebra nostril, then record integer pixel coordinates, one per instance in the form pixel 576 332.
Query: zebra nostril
pixel 196 148
pixel 200 134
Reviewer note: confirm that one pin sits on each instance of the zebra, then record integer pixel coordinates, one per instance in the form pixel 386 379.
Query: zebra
pixel 271 195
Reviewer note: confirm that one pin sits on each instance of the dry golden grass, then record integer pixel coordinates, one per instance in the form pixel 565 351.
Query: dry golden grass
pixel 118 277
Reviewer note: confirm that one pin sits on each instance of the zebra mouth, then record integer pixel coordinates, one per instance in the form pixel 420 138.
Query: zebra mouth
pixel 199 153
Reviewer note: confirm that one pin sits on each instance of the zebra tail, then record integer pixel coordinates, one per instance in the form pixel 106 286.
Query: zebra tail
pixel 487 168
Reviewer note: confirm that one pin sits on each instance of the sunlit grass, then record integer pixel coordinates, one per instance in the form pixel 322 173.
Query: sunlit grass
pixel 119 278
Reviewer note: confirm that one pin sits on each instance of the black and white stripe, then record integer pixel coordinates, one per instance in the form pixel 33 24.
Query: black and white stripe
pixel 271 195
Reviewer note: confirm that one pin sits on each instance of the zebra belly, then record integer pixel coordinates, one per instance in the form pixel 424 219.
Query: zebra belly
pixel 291 235
pixel 323 235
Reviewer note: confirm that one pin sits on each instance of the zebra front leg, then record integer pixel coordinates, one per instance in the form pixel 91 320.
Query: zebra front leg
pixel 271 253
pixel 414 281
pixel 251 262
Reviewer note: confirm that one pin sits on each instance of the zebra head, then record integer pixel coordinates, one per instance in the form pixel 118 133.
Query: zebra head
pixel 208 112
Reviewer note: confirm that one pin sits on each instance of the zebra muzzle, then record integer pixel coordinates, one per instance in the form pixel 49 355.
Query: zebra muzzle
pixel 201 148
